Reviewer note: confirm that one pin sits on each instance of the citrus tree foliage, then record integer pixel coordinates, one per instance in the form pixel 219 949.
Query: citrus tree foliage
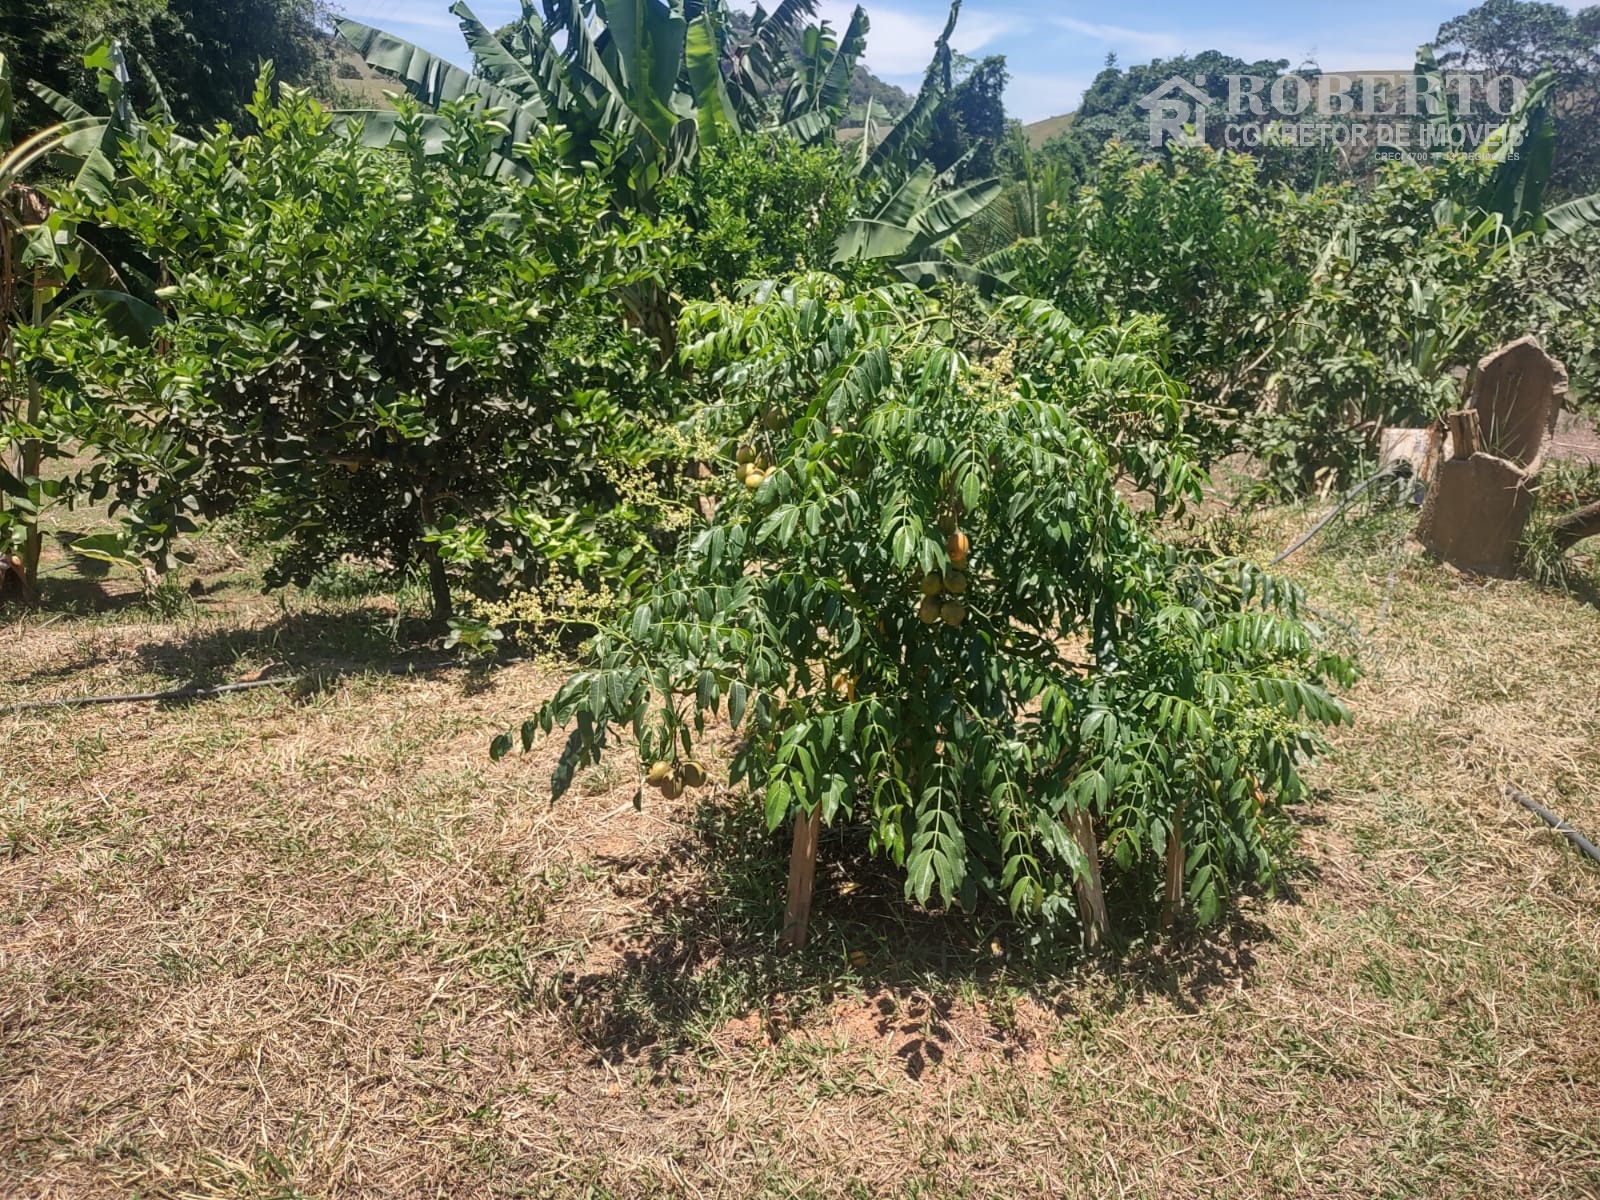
pixel 1302 323
pixel 1401 286
pixel 386 355
pixel 759 208
pixel 1190 238
pixel 925 607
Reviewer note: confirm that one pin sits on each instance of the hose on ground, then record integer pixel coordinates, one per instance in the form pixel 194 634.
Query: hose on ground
pixel 220 689
pixel 1398 469
pixel 1555 822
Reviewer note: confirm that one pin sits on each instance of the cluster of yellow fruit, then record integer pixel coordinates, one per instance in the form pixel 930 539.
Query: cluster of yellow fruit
pixel 670 781
pixel 942 592
pixel 753 468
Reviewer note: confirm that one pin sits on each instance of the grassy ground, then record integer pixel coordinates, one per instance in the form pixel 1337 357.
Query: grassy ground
pixel 310 942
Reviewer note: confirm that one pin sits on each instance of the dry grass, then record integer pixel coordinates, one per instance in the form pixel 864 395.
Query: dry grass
pixel 316 945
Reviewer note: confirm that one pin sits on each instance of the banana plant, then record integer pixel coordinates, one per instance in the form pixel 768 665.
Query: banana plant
pixel 638 85
pixel 818 91
pixel 893 158
pixel 914 231
pixel 47 269
pixel 1522 151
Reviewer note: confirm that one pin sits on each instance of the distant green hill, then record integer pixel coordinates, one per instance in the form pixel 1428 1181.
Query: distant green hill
pixel 1041 132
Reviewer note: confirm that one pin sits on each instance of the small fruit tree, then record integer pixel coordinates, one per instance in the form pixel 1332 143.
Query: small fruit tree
pixel 925 607
pixel 392 354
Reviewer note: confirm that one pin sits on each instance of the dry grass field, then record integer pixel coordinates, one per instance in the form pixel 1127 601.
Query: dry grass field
pixel 309 942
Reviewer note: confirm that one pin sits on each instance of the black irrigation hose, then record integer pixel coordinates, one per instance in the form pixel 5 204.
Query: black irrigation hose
pixel 1555 822
pixel 221 689
pixel 1398 469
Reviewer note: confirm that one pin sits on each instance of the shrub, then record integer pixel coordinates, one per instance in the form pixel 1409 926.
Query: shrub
pixel 388 355
pixel 925 607
pixel 758 207
pixel 1190 239
pixel 1398 296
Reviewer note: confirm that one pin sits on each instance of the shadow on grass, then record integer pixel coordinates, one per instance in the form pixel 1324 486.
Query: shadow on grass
pixel 705 953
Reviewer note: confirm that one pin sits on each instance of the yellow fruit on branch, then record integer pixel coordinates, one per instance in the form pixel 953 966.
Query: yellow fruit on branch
pixel 932 585
pixel 745 455
pixel 694 775
pixel 660 772
pixel 754 479
pixel 928 611
pixel 957 547
pixel 673 787
pixel 953 612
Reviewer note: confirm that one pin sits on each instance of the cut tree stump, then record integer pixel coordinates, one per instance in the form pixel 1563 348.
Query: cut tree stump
pixel 1091 896
pixel 802 874
pixel 1466 433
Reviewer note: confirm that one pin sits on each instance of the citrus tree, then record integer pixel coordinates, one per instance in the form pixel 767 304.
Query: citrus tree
pixel 384 354
pixel 925 607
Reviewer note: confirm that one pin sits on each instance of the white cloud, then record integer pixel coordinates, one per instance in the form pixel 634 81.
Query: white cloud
pixel 1139 43
pixel 1371 50
pixel 1034 96
pixel 901 40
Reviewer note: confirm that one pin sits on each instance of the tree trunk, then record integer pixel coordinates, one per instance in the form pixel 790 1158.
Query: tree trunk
pixel 439 586
pixel 1575 526
pixel 32 464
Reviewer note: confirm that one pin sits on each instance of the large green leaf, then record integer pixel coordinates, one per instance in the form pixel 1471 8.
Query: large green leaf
pixel 834 95
pixel 432 80
pixel 948 212
pixel 1575 216
pixel 1523 151
pixel 496 62
pixel 909 197
pixel 872 239
pixel 380 130
pixel 644 50
pixel 714 111
pixel 127 316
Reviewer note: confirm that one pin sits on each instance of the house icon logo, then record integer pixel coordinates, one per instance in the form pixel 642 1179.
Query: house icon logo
pixel 1172 106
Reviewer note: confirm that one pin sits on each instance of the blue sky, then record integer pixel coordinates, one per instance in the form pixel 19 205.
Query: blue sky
pixel 1054 48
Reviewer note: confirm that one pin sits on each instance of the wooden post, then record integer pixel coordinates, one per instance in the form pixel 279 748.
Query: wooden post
pixel 1174 892
pixel 802 873
pixel 1091 897
pixel 1466 433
